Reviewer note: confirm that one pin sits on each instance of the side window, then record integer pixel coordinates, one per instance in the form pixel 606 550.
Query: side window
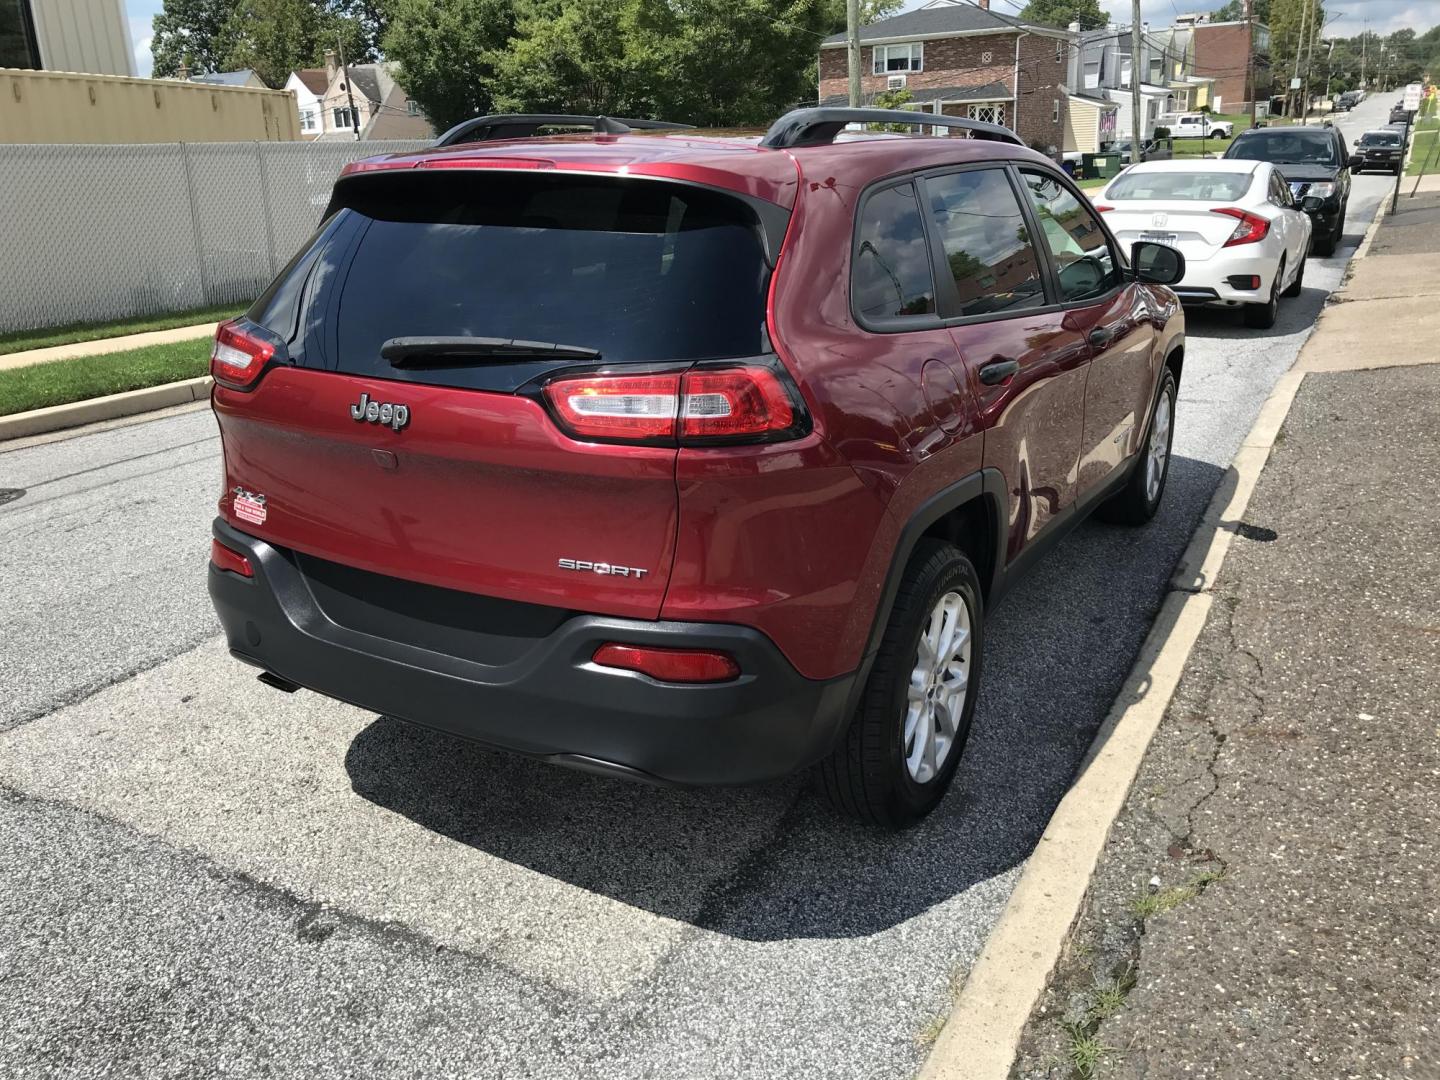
pixel 1083 260
pixel 987 245
pixel 891 274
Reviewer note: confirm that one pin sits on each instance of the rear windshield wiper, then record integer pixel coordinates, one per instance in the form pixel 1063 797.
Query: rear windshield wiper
pixel 425 352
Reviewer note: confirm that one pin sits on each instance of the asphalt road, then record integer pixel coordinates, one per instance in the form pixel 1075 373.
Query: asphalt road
pixel 204 874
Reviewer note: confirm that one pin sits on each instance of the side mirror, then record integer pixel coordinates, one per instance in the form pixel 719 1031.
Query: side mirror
pixel 1156 263
pixel 1311 203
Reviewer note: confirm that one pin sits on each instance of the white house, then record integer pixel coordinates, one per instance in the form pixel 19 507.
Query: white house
pixel 308 85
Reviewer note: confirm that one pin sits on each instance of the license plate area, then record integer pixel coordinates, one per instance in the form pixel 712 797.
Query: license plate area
pixel 1166 238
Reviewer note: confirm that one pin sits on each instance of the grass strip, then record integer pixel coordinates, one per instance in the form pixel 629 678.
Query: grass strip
pixel 21 340
pixel 59 382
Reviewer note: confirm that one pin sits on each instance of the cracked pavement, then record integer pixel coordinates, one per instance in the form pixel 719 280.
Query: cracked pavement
pixel 1292 786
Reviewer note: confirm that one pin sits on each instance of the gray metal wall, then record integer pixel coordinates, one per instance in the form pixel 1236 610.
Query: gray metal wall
pixel 91 233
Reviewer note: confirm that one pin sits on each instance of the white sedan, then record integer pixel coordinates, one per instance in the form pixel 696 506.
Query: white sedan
pixel 1243 235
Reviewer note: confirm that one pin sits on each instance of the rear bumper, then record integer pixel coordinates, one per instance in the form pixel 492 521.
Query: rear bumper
pixel 549 700
pixel 1214 281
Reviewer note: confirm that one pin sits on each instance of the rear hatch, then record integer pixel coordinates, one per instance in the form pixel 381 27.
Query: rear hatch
pixel 1175 208
pixel 440 463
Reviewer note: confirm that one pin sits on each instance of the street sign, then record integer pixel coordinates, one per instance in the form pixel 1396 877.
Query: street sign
pixel 1294 84
pixel 1412 97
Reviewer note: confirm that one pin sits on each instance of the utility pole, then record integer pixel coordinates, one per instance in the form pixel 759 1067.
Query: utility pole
pixel 1315 27
pixel 1250 80
pixel 349 96
pixel 852 35
pixel 1364 41
pixel 1137 132
pixel 1299 48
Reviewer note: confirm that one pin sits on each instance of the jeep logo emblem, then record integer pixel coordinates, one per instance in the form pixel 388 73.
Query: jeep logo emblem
pixel 380 412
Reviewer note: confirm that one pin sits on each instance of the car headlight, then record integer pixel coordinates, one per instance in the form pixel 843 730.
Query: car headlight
pixel 1321 191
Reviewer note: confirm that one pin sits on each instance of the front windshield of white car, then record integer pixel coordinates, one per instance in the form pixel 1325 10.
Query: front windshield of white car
pixel 1197 186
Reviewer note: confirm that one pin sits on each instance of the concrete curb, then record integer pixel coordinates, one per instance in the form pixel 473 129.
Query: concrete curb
pixel 980 1039
pixel 57 417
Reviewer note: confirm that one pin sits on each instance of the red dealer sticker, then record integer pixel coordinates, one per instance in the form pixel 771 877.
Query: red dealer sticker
pixel 249 506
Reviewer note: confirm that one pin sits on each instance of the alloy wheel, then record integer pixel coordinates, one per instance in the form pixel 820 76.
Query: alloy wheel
pixel 939 684
pixel 1159 448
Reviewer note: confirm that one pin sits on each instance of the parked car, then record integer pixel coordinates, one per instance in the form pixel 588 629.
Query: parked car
pixel 1316 163
pixel 1243 236
pixel 1383 148
pixel 1347 101
pixel 1162 149
pixel 1196 126
pixel 684 458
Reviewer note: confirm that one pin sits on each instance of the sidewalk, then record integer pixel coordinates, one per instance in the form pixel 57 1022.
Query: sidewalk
pixel 1268 904
pixel 104 346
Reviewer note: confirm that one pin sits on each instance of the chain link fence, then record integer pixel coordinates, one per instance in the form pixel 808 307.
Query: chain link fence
pixel 94 233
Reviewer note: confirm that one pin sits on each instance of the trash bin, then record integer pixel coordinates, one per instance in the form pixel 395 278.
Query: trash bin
pixel 1100 166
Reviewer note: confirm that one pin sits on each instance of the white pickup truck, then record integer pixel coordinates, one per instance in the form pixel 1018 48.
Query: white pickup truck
pixel 1196 126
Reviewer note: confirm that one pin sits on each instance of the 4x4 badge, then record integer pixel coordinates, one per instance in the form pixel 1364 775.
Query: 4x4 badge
pixel 380 412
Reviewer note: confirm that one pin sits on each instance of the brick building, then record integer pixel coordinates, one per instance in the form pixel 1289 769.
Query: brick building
pixel 961 59
pixel 1219 50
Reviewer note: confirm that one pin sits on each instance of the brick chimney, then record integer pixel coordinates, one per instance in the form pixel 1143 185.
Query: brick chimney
pixel 329 65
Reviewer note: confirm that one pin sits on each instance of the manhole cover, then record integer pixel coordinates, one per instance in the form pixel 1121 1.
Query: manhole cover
pixel 9 495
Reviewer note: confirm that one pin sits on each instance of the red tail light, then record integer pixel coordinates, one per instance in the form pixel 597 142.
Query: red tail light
pixel 238 357
pixel 225 559
pixel 733 402
pixel 670 665
pixel 739 403
pixel 629 407
pixel 1251 229
pixel 1103 209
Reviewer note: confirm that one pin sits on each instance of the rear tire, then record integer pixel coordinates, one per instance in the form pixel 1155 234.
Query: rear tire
pixel 1298 283
pixel 1263 316
pixel 880 772
pixel 1137 501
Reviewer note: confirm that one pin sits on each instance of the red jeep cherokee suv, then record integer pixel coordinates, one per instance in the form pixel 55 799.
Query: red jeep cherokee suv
pixel 687 458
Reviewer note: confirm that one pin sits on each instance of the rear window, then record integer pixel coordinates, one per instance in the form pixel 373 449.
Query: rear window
pixel 1199 186
pixel 639 270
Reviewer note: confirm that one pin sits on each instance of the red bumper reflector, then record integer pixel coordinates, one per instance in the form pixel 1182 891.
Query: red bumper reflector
pixel 225 559
pixel 670 665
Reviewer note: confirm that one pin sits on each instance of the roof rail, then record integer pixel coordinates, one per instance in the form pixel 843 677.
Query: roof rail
pixel 818 127
pixel 523 125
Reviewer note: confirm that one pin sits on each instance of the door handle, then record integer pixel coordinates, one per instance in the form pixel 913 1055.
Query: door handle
pixel 997 371
pixel 1101 336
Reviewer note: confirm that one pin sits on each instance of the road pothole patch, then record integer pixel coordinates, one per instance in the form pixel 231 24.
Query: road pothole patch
pixel 9 495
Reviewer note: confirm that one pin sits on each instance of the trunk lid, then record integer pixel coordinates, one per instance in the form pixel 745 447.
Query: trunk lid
pixel 1196 230
pixel 473 486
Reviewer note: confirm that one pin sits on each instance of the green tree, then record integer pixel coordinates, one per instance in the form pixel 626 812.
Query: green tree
pixel 1062 13
pixel 446 52
pixel 1234 11
pixel 274 37
pixel 190 32
pixel 575 57
pixel 727 62
pixel 373 18
pixel 870 11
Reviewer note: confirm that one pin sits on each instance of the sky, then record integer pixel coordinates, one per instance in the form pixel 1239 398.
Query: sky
pixel 1385 16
